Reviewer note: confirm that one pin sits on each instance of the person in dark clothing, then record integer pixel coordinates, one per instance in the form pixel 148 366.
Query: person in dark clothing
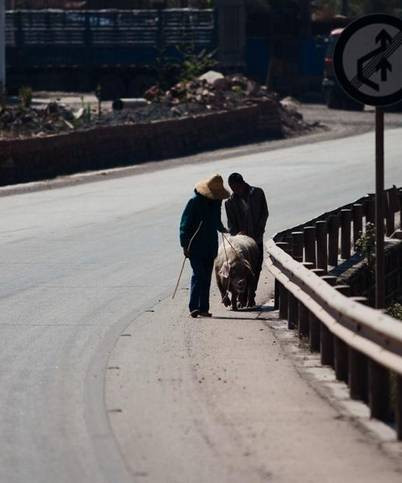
pixel 247 213
pixel 199 226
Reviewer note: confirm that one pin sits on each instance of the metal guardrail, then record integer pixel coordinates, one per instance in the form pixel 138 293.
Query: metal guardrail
pixel 362 344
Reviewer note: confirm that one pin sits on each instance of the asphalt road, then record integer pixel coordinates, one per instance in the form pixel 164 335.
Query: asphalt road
pixel 80 263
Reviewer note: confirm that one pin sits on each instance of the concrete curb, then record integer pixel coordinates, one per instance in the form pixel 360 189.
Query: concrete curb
pixel 322 379
pixel 335 132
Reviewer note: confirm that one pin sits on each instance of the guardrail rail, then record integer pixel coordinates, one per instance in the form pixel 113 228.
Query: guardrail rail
pixel 362 344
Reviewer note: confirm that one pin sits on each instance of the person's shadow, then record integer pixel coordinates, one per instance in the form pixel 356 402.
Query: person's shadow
pixel 259 309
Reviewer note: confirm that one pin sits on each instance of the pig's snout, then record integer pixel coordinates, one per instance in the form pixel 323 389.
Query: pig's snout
pixel 240 285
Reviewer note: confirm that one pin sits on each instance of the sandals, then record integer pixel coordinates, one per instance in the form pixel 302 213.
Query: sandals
pixel 196 313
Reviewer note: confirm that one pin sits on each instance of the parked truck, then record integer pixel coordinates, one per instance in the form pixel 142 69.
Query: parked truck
pixel 126 51
pixel 121 51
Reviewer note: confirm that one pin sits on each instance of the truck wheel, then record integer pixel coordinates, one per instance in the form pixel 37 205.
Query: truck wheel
pixel 352 105
pixel 138 85
pixel 332 99
pixel 112 87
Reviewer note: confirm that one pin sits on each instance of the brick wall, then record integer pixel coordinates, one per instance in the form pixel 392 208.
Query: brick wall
pixel 107 147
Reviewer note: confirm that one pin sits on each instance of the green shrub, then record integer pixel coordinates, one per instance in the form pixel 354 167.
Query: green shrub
pixel 395 310
pixel 195 64
pixel 25 97
pixel 365 245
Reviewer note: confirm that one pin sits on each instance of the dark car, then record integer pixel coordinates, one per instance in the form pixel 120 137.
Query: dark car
pixel 335 97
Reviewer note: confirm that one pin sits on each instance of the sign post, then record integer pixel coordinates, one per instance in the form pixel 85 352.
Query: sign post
pixel 2 46
pixel 379 208
pixel 368 65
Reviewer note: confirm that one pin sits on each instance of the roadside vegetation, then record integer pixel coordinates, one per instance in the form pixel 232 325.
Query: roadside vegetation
pixel 365 246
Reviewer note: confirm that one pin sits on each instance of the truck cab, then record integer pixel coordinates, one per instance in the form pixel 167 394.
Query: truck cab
pixel 335 97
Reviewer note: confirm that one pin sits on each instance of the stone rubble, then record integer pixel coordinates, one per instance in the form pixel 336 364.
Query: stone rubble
pixel 212 92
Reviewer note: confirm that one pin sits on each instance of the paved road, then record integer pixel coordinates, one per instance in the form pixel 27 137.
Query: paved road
pixel 79 264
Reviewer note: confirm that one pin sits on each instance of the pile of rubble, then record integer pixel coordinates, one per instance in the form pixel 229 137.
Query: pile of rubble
pixel 211 92
pixel 18 121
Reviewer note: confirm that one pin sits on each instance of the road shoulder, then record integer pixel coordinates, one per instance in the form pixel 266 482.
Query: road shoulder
pixel 194 400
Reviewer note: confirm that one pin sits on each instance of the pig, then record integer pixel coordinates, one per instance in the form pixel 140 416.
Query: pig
pixel 235 270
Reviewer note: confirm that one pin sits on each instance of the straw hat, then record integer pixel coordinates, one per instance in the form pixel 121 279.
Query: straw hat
pixel 212 188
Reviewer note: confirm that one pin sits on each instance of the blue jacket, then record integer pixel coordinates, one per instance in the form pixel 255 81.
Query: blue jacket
pixel 199 208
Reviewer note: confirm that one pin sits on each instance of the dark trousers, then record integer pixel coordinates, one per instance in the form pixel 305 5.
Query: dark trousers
pixel 259 264
pixel 200 282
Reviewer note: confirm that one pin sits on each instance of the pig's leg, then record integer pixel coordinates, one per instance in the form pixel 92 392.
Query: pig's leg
pixel 252 288
pixel 234 301
pixel 222 290
pixel 243 299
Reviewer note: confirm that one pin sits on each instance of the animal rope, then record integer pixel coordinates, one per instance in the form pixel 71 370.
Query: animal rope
pixel 185 258
pixel 244 262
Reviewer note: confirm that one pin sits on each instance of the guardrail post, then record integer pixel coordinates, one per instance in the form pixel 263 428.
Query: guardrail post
pixel 297 245
pixel 370 208
pixel 346 218
pixel 341 361
pixel 303 312
pixel 326 346
pixel 394 199
pixel 276 294
pixel 314 323
pixel 318 271
pixel 343 289
pixel 389 213
pixel 309 244
pixel 365 202
pixel 333 240
pixel 283 302
pixel 398 408
pixel 358 375
pixel 314 332
pixel 281 293
pixel 357 214
pixel 379 390
pixel 330 279
pixel 293 311
pixel 303 323
pixel 326 338
pixel 360 299
pixel 400 208
pixel 340 348
pixel 322 250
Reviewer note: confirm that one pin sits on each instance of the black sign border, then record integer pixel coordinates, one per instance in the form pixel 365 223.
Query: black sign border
pixel 338 57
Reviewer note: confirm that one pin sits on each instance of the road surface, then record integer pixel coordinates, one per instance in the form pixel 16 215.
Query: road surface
pixel 80 264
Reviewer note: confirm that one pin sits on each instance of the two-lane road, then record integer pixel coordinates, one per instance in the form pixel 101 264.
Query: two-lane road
pixel 79 263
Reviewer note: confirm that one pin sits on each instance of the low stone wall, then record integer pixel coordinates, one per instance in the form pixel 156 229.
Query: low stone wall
pixel 112 146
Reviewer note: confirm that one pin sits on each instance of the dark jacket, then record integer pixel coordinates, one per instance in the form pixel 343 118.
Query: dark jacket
pixel 199 208
pixel 249 218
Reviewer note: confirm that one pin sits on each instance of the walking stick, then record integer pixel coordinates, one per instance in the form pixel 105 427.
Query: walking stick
pixel 185 258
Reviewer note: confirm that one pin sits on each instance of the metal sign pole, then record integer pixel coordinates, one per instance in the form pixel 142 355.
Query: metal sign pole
pixel 2 46
pixel 379 208
pixel 370 72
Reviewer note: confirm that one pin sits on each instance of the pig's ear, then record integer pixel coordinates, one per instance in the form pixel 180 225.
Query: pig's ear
pixel 225 270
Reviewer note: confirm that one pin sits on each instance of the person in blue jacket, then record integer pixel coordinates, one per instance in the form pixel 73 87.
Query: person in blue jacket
pixel 199 226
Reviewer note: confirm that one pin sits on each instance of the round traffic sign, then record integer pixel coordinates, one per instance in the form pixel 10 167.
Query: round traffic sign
pixel 368 60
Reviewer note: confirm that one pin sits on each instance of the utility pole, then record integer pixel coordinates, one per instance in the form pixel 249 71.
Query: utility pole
pixel 305 18
pixel 2 46
pixel 345 8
